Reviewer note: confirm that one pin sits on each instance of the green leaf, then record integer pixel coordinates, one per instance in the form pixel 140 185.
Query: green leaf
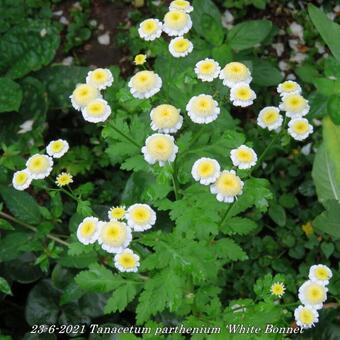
pixel 10 95
pixel 265 74
pixel 327 248
pixel 329 30
pixel 5 287
pixel 277 214
pixel 5 225
pixel 238 225
pixel 22 205
pixel 333 105
pixel 248 34
pixel 228 250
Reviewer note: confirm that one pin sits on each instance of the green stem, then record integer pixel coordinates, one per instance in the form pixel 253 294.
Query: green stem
pixel 125 136
pixel 65 192
pixel 174 179
pixel 28 226
pixel 226 214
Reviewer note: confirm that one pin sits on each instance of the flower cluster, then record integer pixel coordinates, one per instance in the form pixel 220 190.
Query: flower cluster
pixel 39 166
pixel 115 235
pixel 312 295
pixel 225 184
pixel 88 99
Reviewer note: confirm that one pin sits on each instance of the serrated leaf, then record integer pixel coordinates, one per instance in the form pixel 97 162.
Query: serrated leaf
pixel 228 250
pixel 10 95
pixel 238 225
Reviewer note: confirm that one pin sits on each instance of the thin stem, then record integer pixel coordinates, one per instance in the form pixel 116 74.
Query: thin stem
pixel 28 226
pixel 125 136
pixel 174 179
pixel 226 214
pixel 65 192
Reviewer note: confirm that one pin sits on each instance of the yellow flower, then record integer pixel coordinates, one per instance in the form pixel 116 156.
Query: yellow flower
pixel 117 213
pixel 308 228
pixel 140 59
pixel 277 289
pixel 64 179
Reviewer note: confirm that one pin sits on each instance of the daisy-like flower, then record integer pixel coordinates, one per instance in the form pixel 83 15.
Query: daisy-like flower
pixel 88 230
pixel 313 294
pixel 320 274
pixel 181 5
pixel 21 179
pixel 145 84
pixel 64 179
pixel 39 166
pixel 166 118
pixel 206 170
pixel 288 87
pixel 234 73
pixel 277 289
pixel 242 95
pixel 140 59
pixel 294 105
pixel 269 118
pixel 306 316
pixel 83 94
pixel 114 236
pixel 57 148
pixel 207 69
pixel 177 23
pixel 227 186
pixel 150 29
pixel 299 128
pixel 243 157
pixel 203 109
pixel 127 261
pixel 180 47
pixel 140 217
pixel 160 148
pixel 117 213
pixel 101 78
pixel 97 110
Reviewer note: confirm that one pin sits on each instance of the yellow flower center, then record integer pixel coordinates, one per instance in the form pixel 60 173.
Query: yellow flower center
pixel 165 116
pixel 117 213
pixel 244 155
pixel 143 80
pixel 207 67
pixel 141 215
pixel 113 233
pixel 160 148
pixel 21 178
pixel 306 316
pixel 38 163
pixel 203 106
pixel 99 75
pixel 96 108
pixel 57 146
pixel 127 260
pixel 181 3
pixel 228 184
pixel 205 169
pixel 294 103
pixel 149 26
pixel 88 228
pixel 181 45
pixel 270 116
pixel 243 93
pixel 236 71
pixel 321 273
pixel 175 19
pixel 315 293
pixel 288 86
pixel 64 179
pixel 278 289
pixel 140 59
pixel 84 93
pixel 300 127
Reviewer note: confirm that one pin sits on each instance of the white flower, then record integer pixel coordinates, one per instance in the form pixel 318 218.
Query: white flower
pixel 242 95
pixel 181 5
pixel 313 294
pixel 117 213
pixel 97 110
pixel 150 29
pixel 270 118
pixel 101 78
pixel 145 84
pixel 180 47
pixel 320 274
pixel 177 23
pixel 203 109
pixel 297 30
pixel 207 69
pixel 160 148
pixel 88 230
pixel 288 87
pixel 21 179
pixel 306 316
pixel 234 73
pixel 206 170
pixel 243 157
pixel 294 105
pixel 166 118
pixel 299 128
pixel 26 126
pixel 227 19
pixel 39 166
pixel 140 217
pixel 227 186
pixel 83 94
pixel 127 261
pixel 57 148
pixel 114 236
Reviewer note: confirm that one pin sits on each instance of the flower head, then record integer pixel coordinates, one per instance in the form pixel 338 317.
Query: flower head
pixel 57 148
pixel 160 148
pixel 64 179
pixel 206 170
pixel 203 109
pixel 21 179
pixel 313 294
pixel 140 217
pixel 288 87
pixel 180 47
pixel 243 157
pixel 117 213
pixel 140 59
pixel 166 118
pixel 227 186
pixel 181 5
pixel 97 110
pixel 299 128
pixel 101 78
pixel 277 289
pixel 145 84
pixel 306 316
pixel 242 95
pixel 308 228
pixel 39 166
pixel 294 105
pixel 127 261
pixel 83 94
pixel 177 23
pixel 114 236
pixel 88 230
pixel 270 118
pixel 320 274
pixel 234 73
pixel 207 69
pixel 150 29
